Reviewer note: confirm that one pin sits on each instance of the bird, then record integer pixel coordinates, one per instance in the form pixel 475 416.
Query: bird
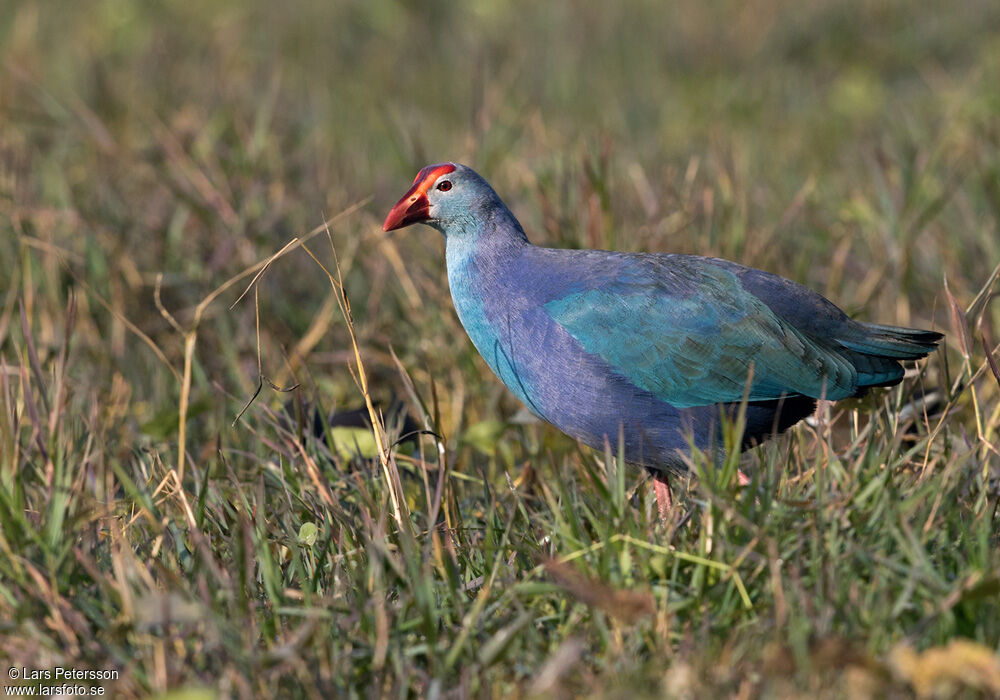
pixel 645 351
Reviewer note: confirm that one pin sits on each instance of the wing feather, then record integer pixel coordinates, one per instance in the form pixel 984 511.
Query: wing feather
pixel 689 333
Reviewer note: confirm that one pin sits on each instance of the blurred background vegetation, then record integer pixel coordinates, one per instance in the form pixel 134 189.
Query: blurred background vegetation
pixel 151 151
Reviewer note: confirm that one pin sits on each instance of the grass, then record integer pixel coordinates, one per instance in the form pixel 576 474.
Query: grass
pixel 155 156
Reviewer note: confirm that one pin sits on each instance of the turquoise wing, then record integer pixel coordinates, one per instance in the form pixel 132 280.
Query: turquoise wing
pixel 689 334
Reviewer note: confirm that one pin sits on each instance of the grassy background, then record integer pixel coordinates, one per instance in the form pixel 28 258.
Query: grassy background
pixel 151 152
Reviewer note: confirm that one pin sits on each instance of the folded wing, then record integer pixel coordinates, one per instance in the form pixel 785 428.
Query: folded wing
pixel 688 332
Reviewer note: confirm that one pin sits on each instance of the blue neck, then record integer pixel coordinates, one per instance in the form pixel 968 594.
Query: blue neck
pixel 482 260
pixel 478 247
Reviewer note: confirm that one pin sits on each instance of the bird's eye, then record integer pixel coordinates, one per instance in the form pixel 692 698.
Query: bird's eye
pixel 444 185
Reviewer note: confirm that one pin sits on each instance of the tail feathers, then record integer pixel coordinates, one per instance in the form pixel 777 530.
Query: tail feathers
pixel 876 351
pixel 873 370
pixel 892 342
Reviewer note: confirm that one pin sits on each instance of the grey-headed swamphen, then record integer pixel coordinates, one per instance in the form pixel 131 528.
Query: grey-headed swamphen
pixel 645 348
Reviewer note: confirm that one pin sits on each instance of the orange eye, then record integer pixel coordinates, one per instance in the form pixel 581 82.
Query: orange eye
pixel 444 185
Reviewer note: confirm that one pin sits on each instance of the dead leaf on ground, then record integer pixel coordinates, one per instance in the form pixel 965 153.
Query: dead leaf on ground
pixel 945 669
pixel 626 605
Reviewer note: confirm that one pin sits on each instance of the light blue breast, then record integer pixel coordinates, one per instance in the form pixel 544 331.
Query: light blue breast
pixel 468 291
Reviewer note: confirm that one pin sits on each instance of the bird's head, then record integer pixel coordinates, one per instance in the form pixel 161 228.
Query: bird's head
pixel 446 196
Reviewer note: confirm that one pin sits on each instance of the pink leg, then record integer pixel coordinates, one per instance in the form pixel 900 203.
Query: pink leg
pixel 664 499
pixel 742 478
